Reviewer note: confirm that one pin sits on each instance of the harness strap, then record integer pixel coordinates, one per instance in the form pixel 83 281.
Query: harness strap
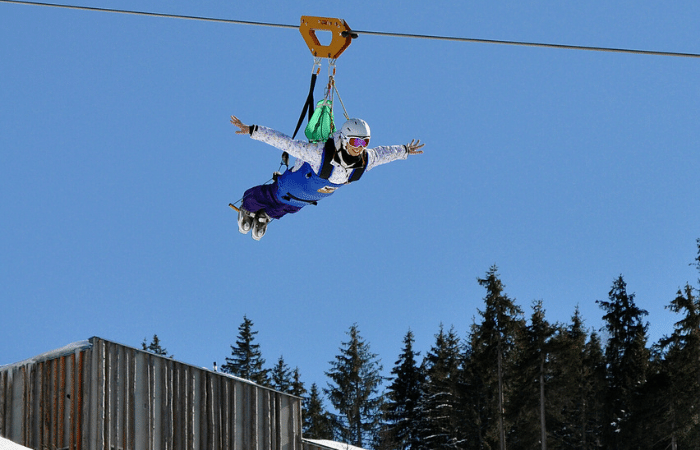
pixel 308 106
pixel 289 197
pixel 327 167
pixel 357 173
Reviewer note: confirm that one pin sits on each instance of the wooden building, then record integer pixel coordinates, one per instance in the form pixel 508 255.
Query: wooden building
pixel 100 395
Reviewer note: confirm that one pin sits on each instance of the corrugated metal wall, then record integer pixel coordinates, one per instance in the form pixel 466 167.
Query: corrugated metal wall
pixel 108 396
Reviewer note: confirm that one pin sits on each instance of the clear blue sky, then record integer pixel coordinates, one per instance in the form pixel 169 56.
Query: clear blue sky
pixel 117 162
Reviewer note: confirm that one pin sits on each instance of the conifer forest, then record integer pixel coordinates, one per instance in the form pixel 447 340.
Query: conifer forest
pixel 515 381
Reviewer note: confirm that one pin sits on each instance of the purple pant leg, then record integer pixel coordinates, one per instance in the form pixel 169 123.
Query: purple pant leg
pixel 263 197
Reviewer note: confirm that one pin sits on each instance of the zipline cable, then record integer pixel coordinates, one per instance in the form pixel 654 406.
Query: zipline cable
pixel 151 14
pixel 530 44
pixel 370 33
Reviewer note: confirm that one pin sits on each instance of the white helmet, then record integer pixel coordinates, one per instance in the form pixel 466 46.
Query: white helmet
pixel 354 128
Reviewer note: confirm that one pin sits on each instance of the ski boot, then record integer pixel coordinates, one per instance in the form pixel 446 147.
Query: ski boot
pixel 260 224
pixel 245 220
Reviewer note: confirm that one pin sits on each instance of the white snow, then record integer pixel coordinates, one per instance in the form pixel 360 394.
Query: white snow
pixel 333 444
pixel 6 444
pixel 53 354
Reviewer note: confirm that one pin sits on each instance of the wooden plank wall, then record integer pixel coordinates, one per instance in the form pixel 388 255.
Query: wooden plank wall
pixel 42 403
pixel 112 397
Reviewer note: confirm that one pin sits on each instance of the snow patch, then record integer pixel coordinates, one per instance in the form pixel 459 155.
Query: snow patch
pixel 6 444
pixel 333 444
pixel 53 354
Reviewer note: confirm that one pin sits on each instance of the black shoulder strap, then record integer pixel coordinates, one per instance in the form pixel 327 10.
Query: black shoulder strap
pixel 328 153
pixel 308 106
pixel 357 173
pixel 327 168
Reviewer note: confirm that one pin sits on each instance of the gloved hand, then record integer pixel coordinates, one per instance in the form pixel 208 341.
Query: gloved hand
pixel 412 147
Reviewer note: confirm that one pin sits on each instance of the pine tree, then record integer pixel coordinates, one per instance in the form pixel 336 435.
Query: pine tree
pixel 440 409
pixel 627 359
pixel 281 376
pixel 593 388
pixel 155 347
pixel 246 361
pixel 475 394
pixel 403 397
pixel 356 379
pixel 683 367
pixel 678 377
pixel 318 423
pixel 578 381
pixel 528 405
pixel 493 345
pixel 297 388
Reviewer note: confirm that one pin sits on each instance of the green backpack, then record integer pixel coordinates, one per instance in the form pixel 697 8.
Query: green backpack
pixel 321 124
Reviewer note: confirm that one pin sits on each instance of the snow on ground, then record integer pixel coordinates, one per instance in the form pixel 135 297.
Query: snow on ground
pixel 6 444
pixel 333 444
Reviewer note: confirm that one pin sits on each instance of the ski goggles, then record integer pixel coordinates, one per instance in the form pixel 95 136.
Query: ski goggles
pixel 359 142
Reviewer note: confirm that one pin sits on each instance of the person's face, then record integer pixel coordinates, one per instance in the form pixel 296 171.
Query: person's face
pixel 355 146
pixel 354 151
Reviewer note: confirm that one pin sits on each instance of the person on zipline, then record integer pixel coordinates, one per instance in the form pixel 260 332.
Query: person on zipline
pixel 319 170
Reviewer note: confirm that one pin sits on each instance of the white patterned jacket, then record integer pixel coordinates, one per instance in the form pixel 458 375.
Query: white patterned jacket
pixel 313 152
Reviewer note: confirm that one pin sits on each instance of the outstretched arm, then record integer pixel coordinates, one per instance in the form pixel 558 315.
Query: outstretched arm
pixel 244 129
pixel 384 154
pixel 305 151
